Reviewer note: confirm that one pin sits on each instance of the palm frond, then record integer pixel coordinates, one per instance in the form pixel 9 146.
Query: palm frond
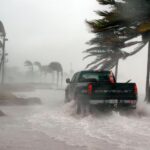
pixel 137 49
pixel 37 63
pixel 28 63
pixel 97 65
pixel 93 62
pixel 109 64
pixel 144 27
pixel 131 44
pixel 106 2
pixel 100 49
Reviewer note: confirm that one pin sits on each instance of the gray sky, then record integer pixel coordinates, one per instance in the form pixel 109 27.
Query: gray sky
pixel 50 30
pixel 47 30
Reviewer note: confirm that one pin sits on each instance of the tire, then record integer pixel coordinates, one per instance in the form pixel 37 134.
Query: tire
pixel 83 105
pixel 78 104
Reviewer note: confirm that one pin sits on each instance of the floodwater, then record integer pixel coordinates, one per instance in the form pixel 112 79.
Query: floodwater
pixel 99 131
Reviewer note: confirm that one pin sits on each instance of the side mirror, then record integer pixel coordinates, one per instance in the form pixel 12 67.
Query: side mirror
pixel 128 81
pixel 68 80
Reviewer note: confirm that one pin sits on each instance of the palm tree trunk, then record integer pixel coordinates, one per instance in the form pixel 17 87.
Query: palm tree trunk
pixel 32 73
pixel 147 97
pixel 116 70
pixel 61 78
pixel 3 61
pixel 57 78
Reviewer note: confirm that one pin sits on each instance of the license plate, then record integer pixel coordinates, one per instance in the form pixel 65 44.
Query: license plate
pixel 103 101
pixel 112 101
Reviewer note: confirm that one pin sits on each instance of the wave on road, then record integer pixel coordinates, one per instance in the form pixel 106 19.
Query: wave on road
pixel 99 131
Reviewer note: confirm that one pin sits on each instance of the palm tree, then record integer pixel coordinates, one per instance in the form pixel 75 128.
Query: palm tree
pixel 126 20
pixel 42 68
pixel 3 38
pixel 38 64
pixel 56 66
pixel 29 64
pixel 107 43
pixel 137 16
pixel 51 68
pixel 2 30
pixel 2 33
pixel 1 45
pixel 107 51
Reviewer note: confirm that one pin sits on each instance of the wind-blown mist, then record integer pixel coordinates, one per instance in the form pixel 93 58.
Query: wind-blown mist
pixel 52 30
pixel 46 30
pixel 112 130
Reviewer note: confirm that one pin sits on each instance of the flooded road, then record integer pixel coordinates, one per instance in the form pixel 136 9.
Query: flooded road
pixel 54 125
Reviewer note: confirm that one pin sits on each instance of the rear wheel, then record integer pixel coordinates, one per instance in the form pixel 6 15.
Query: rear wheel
pixel 83 105
pixel 78 104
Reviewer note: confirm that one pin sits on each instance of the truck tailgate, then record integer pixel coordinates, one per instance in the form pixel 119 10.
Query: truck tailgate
pixel 119 91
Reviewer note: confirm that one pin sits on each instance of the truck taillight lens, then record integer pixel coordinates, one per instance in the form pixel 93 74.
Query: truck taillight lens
pixel 111 78
pixel 135 89
pixel 90 88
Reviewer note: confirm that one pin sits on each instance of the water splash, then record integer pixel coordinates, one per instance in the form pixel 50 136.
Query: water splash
pixel 107 130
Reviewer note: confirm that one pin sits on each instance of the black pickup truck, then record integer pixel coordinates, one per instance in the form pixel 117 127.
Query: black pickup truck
pixel 100 88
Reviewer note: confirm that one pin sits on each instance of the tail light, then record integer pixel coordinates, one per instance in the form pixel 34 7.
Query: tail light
pixel 111 78
pixel 90 88
pixel 135 89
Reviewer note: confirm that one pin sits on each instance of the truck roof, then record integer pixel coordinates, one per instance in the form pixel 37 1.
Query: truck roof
pixel 96 71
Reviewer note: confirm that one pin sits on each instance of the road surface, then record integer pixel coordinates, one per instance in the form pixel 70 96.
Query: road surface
pixel 53 125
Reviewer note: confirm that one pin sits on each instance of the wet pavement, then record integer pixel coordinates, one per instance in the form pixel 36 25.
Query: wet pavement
pixel 52 125
pixel 18 133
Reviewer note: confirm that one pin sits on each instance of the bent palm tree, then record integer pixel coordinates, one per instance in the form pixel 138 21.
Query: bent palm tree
pixel 53 66
pixel 42 68
pixel 2 30
pixel 1 45
pixel 38 64
pixel 29 64
pixel 126 20
pixel 56 66
pixel 108 42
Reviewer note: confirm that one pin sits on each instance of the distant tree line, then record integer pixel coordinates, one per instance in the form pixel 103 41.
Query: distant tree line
pixel 45 69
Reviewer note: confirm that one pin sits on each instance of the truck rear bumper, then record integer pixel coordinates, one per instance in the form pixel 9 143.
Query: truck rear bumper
pixel 115 103
pixel 94 102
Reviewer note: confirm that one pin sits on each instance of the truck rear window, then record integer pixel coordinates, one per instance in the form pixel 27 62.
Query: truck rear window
pixel 93 76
